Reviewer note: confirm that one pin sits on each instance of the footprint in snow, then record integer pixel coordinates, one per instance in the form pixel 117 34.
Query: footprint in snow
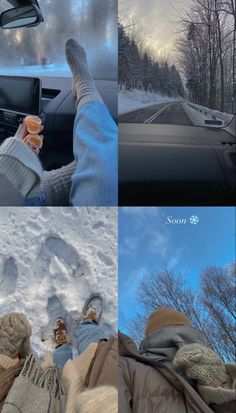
pixel 9 278
pixel 67 254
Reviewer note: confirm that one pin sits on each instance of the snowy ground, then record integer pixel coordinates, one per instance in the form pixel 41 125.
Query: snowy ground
pixel 137 99
pixel 102 63
pixel 52 260
pixel 198 114
pixel 55 70
pixel 37 70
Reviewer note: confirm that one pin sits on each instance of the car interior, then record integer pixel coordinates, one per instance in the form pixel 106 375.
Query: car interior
pixel 176 165
pixel 50 98
pixel 58 112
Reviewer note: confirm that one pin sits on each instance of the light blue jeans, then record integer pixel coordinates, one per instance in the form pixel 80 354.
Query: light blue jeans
pixel 87 332
pixel 95 147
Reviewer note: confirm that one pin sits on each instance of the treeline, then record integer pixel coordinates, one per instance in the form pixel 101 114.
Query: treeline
pixel 138 70
pixel 207 49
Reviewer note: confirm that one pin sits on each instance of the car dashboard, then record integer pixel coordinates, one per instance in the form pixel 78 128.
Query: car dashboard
pixel 176 165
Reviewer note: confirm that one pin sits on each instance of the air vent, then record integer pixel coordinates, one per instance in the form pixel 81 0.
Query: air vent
pixel 50 93
pixel 228 143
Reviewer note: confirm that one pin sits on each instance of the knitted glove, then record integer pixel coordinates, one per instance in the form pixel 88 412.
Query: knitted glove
pixel 202 364
pixel 15 333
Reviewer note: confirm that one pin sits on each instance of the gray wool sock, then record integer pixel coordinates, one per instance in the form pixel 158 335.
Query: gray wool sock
pixel 84 87
pixel 56 185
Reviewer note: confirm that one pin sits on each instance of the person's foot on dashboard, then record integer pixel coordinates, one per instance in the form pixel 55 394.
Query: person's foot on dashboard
pixel 84 87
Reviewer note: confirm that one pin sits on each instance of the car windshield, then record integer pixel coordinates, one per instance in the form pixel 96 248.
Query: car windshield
pixel 177 62
pixel 39 51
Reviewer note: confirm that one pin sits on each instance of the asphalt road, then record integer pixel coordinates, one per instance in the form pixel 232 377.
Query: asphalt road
pixel 164 113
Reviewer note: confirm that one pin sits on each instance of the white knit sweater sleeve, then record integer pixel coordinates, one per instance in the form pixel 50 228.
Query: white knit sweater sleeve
pixel 21 166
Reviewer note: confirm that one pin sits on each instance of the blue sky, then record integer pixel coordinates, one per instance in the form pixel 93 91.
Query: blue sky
pixel 147 242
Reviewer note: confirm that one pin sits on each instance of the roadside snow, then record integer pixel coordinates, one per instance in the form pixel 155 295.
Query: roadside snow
pixel 61 70
pixel 129 101
pixel 52 260
pixel 198 114
pixel 195 116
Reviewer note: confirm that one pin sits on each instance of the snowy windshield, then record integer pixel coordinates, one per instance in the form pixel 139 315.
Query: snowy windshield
pixel 39 51
pixel 177 62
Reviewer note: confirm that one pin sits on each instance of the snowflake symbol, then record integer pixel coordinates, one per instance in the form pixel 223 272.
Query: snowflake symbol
pixel 194 220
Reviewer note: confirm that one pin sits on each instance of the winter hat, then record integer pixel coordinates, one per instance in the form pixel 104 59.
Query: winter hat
pixel 202 364
pixel 165 317
pixel 15 333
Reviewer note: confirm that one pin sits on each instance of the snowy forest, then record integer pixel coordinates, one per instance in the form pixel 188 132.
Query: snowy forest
pixel 207 48
pixel 138 70
pixel 93 23
pixel 205 57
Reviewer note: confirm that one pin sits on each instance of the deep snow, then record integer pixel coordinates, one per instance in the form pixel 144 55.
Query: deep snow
pixel 138 99
pixel 52 260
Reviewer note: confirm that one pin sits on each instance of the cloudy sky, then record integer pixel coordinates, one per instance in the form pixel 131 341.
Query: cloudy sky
pixel 148 242
pixel 156 23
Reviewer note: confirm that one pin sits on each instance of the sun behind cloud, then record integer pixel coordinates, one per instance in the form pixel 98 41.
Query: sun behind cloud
pixel 156 24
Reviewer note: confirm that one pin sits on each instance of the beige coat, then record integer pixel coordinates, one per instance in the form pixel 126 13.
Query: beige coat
pixel 90 380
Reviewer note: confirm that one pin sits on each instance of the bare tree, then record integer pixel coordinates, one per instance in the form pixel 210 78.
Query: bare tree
pixel 218 296
pixel 211 308
pixel 136 327
pixel 207 53
pixel 226 8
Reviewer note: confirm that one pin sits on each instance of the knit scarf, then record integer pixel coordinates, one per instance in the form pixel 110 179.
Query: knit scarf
pixel 36 390
pixel 164 344
pixel 7 378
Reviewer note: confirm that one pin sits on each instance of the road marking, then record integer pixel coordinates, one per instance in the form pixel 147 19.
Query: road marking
pixel 153 117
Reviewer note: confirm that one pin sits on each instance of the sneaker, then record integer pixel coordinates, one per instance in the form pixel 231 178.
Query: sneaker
pixel 93 308
pixel 60 331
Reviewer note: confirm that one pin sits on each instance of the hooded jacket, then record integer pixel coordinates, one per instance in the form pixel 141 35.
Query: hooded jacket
pixel 148 382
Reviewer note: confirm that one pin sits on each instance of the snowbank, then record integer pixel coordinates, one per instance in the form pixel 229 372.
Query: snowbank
pixel 137 99
pixel 198 114
pixel 102 63
pixel 61 70
pixel 52 260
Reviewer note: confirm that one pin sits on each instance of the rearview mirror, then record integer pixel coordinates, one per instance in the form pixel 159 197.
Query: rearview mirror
pixel 24 16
